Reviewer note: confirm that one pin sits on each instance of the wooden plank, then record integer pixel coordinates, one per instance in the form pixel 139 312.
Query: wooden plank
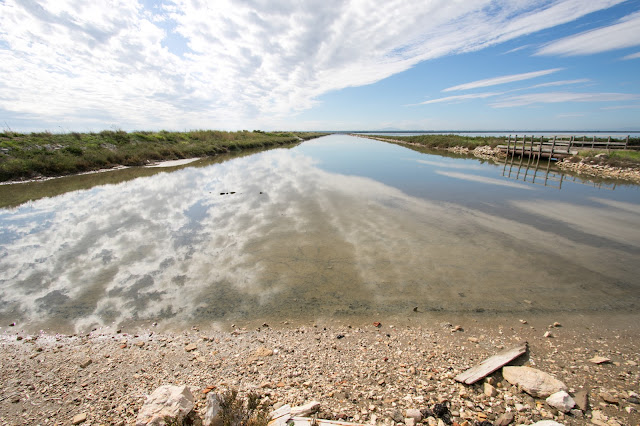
pixel 490 365
pixel 308 421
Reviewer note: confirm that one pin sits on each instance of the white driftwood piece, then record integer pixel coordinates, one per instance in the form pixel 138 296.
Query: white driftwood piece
pixel 490 365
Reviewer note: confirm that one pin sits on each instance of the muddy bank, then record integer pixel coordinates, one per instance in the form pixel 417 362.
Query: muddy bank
pixel 361 373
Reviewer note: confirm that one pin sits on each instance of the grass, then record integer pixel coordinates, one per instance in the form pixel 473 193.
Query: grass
pixel 235 412
pixel 27 156
pixel 618 158
pixel 447 141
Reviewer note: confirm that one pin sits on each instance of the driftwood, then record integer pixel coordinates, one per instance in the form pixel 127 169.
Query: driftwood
pixel 490 365
pixel 283 416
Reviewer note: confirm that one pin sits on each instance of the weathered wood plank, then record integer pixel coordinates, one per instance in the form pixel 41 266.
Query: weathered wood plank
pixel 490 365
pixel 308 421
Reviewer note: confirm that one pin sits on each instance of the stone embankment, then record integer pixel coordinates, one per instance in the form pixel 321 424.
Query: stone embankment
pixel 601 170
pixel 373 374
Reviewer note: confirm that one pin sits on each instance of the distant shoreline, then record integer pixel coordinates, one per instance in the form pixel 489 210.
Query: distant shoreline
pixel 623 165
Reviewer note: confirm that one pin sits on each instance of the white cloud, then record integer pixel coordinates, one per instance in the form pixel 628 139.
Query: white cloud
pixel 618 36
pixel 570 114
pixel 632 56
pixel 558 97
pixel 614 107
pixel 561 83
pixel 501 80
pixel 458 98
pixel 231 64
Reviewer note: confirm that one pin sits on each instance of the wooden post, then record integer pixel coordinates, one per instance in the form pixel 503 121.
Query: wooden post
pixel 593 142
pixel 505 160
pixel 524 141
pixel 608 142
pixel 553 145
pixel 570 143
pixel 529 160
pixel 626 143
pixel 535 173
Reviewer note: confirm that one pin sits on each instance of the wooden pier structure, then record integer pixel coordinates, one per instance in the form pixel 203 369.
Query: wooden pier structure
pixel 550 149
pixel 557 147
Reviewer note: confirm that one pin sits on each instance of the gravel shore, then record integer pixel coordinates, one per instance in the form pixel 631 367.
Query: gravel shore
pixel 360 372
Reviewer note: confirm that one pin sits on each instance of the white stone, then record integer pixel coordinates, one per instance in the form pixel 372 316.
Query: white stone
pixel 212 410
pixel 172 402
pixel 490 390
pixel 535 382
pixel 415 414
pixel 562 401
pixel 547 423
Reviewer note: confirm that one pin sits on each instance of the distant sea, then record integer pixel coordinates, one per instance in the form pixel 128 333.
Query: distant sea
pixel 587 135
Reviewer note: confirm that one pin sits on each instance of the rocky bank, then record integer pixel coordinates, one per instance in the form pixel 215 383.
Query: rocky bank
pixel 366 373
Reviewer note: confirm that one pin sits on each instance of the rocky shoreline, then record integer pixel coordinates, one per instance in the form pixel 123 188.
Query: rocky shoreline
pixel 372 373
pixel 586 167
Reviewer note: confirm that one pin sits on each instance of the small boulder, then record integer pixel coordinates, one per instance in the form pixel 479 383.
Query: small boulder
pixel 212 410
pixel 191 347
pixel 547 423
pixel 561 401
pixel 167 402
pixel 533 381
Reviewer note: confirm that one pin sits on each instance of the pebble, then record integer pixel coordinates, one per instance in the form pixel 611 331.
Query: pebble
pixel 415 366
pixel 79 418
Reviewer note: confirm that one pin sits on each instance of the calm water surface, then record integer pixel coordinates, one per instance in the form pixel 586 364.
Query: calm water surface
pixel 338 227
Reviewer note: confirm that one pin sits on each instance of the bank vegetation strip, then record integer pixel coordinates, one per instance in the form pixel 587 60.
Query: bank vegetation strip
pixel 28 156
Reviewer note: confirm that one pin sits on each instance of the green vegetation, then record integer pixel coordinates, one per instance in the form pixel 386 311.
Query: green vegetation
pixel 618 158
pixel 26 156
pixel 614 158
pixel 234 411
pixel 447 141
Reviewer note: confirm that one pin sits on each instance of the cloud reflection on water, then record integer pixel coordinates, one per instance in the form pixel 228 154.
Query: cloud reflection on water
pixel 293 241
pixel 483 179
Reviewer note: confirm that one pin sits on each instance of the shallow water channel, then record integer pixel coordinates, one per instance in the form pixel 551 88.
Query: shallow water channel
pixel 337 227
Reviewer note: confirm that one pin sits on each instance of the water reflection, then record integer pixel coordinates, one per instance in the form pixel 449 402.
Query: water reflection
pixel 293 239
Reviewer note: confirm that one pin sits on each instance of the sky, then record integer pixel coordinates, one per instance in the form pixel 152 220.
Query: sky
pixel 91 65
